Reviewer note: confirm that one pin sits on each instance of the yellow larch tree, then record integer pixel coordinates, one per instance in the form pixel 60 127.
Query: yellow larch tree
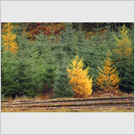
pixel 79 79
pixel 9 38
pixel 108 76
pixel 123 43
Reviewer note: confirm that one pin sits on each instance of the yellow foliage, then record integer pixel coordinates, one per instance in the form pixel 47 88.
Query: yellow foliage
pixel 9 38
pixel 81 83
pixel 108 76
pixel 123 43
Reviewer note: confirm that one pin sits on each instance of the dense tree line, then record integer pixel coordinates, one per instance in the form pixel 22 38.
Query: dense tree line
pixel 33 67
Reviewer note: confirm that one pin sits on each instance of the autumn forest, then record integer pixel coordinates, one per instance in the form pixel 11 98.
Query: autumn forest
pixel 69 62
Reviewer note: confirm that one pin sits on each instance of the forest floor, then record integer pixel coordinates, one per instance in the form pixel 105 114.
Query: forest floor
pixel 103 103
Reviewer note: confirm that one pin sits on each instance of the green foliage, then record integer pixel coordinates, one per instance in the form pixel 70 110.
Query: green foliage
pixel 24 79
pixel 68 41
pixel 95 51
pixel 34 67
pixel 8 73
pixel 124 59
pixel 126 72
pixel 61 85
pixel 22 73
pixel 49 74
pixel 41 44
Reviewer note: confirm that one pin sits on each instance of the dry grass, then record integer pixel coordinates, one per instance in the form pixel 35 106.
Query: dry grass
pixel 64 109
pixel 24 98
pixel 108 94
pixel 94 95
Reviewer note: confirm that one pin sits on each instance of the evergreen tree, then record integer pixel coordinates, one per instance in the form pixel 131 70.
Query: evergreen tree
pixel 49 74
pixel 94 52
pixel 109 38
pixel 61 85
pixel 24 79
pixel 67 40
pixel 81 41
pixel 126 72
pixel 124 59
pixel 29 68
pixel 41 43
pixel 8 73
pixel 28 77
pixel 58 52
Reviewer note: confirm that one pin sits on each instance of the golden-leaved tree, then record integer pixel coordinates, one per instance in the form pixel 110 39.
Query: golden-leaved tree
pixel 9 38
pixel 124 58
pixel 123 43
pixel 108 76
pixel 79 79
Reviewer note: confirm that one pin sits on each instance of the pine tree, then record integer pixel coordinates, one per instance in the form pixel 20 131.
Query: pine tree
pixel 23 78
pixel 126 72
pixel 58 52
pixel 8 73
pixel 67 40
pixel 61 85
pixel 49 75
pixel 29 69
pixel 124 58
pixel 41 43
pixel 81 83
pixel 108 76
pixel 28 76
pixel 9 38
pixel 81 40
pixel 95 51
pixel 109 37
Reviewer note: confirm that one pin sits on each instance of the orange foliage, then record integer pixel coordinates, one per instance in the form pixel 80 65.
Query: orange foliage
pixel 81 83
pixel 48 29
pixel 108 76
pixel 9 38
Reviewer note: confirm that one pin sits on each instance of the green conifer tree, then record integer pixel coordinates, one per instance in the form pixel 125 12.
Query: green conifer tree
pixel 49 75
pixel 67 40
pixel 27 75
pixel 41 43
pixel 29 68
pixel 24 79
pixel 8 73
pixel 124 59
pixel 61 85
